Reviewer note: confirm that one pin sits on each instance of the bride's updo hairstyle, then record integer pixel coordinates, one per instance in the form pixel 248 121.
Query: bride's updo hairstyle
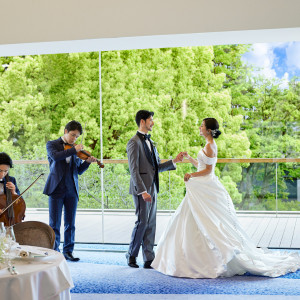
pixel 213 125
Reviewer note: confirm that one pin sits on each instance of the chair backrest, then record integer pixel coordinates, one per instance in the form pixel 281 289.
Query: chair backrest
pixel 34 233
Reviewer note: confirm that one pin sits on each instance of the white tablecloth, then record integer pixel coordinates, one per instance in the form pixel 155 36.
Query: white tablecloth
pixel 40 278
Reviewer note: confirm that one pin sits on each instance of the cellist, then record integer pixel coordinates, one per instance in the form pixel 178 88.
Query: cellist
pixel 5 165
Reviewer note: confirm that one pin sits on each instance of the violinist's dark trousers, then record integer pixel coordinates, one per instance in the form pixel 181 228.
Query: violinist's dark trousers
pixel 65 196
pixel 143 233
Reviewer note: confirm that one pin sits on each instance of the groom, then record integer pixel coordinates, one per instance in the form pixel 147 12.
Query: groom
pixel 144 166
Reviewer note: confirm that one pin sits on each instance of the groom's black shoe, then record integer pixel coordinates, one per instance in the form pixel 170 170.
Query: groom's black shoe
pixel 147 264
pixel 131 261
pixel 69 256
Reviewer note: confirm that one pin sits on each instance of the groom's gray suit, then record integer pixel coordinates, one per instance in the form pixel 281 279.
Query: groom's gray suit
pixel 144 166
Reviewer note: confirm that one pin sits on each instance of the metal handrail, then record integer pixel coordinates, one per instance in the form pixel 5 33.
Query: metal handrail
pixel 220 160
pixel 164 211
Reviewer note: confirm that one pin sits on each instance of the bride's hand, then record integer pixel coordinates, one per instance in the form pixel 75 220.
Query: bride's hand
pixel 185 154
pixel 187 176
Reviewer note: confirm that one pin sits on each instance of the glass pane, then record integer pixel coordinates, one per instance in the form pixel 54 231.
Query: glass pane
pixel 288 187
pixel 25 174
pixel 251 186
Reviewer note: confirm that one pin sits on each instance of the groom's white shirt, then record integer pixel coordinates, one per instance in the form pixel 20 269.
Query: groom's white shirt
pixel 147 141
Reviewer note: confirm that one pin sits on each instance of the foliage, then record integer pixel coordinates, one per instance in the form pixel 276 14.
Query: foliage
pixel 40 94
pixel 270 122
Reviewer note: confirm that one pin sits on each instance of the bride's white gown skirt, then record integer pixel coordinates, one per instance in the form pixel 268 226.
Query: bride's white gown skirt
pixel 205 240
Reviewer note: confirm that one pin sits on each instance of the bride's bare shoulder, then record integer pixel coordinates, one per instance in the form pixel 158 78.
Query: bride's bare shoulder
pixel 210 150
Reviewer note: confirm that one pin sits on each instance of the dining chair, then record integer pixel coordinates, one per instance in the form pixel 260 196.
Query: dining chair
pixel 34 233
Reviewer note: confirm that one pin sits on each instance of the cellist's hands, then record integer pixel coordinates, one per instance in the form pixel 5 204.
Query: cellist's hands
pixel 91 159
pixel 11 187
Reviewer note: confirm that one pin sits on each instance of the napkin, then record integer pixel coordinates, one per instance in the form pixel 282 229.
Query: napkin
pixel 24 253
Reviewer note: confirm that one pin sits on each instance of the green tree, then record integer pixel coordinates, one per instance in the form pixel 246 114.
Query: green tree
pixel 258 118
pixel 181 87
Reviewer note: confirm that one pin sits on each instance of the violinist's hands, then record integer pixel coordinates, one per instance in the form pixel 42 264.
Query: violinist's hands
pixel 187 176
pixel 178 158
pixel 11 187
pixel 79 147
pixel 91 159
pixel 146 197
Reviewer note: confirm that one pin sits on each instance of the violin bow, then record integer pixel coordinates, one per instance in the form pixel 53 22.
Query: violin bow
pixel 83 133
pixel 4 210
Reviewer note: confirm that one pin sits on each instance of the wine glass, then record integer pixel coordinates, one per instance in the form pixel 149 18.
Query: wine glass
pixel 10 235
pixel 10 241
pixel 2 229
pixel 2 244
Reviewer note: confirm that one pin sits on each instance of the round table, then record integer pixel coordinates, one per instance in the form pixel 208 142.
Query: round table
pixel 38 278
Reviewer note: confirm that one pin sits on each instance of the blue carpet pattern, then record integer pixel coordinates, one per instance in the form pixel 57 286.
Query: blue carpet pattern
pixel 107 273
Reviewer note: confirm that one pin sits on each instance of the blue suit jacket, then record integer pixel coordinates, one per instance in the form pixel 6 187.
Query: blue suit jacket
pixel 13 180
pixel 57 163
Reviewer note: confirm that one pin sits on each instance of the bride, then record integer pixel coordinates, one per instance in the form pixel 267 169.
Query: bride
pixel 204 238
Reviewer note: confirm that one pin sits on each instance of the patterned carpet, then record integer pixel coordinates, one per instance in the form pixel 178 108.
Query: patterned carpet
pixel 107 273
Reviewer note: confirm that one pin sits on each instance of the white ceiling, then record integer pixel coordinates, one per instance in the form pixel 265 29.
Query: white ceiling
pixel 41 26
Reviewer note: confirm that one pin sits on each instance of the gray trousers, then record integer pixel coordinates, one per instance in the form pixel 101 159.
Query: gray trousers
pixel 144 230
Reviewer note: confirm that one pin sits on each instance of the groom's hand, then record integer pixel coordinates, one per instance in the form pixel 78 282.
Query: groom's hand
pixel 179 158
pixel 185 154
pixel 146 197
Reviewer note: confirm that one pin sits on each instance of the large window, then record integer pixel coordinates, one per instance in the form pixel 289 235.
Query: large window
pixel 252 90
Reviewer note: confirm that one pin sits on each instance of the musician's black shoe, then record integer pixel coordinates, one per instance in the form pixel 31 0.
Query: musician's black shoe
pixel 147 264
pixel 131 261
pixel 69 256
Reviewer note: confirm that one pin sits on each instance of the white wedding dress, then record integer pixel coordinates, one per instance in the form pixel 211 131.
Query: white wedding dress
pixel 205 240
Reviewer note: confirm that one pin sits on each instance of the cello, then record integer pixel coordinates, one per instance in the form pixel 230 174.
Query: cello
pixel 13 206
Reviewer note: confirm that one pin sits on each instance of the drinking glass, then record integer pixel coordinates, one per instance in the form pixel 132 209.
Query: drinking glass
pixel 2 229
pixel 10 241
pixel 10 235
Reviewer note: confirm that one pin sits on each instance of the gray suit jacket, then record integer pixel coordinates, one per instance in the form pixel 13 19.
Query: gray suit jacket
pixel 143 171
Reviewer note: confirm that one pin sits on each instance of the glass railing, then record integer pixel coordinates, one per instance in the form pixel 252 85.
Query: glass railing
pixel 271 184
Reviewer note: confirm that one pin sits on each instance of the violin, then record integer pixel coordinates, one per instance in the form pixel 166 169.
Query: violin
pixel 12 213
pixel 83 154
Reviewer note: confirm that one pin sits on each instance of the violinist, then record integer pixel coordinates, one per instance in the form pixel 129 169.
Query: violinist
pixel 62 184
pixel 5 165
